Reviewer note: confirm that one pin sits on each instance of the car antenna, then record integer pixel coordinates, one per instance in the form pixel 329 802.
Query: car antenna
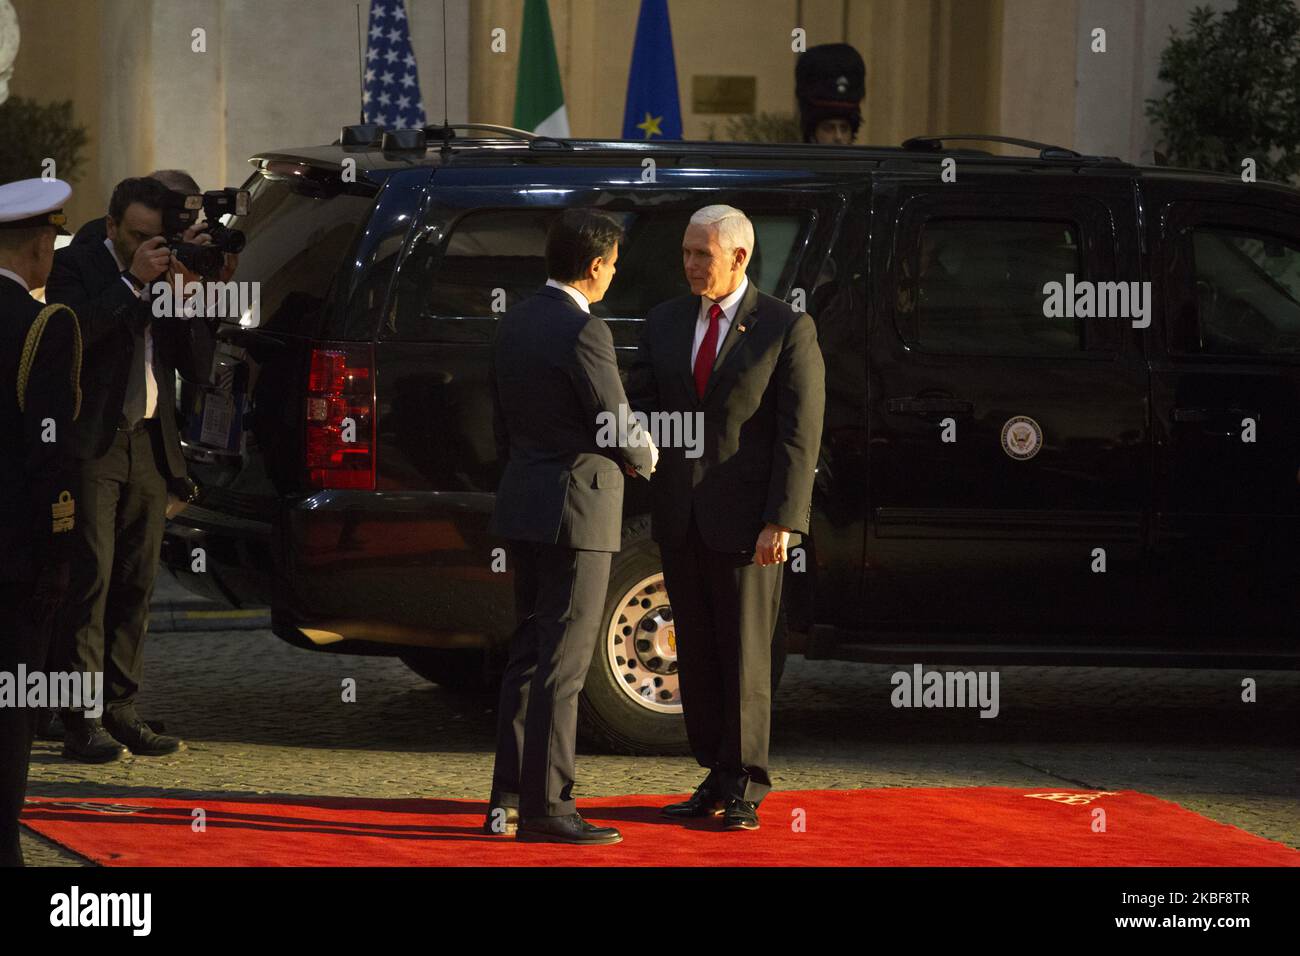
pixel 445 151
pixel 361 67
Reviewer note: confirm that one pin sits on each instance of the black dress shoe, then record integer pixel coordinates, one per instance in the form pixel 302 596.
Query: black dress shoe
pixel 568 829
pixel 89 742
pixel 740 815
pixel 702 803
pixel 501 820
pixel 140 738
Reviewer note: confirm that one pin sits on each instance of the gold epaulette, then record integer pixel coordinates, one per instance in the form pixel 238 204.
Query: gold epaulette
pixel 63 513
pixel 29 356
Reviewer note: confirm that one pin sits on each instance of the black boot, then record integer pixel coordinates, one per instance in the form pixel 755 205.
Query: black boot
pixel 567 829
pixel 85 739
pixel 702 803
pixel 138 736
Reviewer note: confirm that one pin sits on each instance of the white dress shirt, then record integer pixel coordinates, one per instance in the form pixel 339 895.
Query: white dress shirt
pixel 16 277
pixel 574 294
pixel 150 383
pixel 729 305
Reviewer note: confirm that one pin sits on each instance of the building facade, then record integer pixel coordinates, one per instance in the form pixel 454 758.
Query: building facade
pixel 285 72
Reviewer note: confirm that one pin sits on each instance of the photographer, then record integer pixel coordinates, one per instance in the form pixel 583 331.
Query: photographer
pixel 128 452
pixel 96 230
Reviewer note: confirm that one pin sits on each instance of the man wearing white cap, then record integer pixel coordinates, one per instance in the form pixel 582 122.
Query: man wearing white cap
pixel 40 352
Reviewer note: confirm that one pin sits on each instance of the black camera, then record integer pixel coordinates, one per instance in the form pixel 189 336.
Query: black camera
pixel 181 210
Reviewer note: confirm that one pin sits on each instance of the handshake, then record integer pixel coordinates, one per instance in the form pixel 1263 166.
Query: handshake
pixel 630 429
pixel 654 454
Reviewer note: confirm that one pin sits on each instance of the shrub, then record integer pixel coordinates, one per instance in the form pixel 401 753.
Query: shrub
pixel 33 132
pixel 1234 90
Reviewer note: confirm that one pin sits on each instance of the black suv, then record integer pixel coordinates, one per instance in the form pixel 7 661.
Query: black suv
pixel 1062 425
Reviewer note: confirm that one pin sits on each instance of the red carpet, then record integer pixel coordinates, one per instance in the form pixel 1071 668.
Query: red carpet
pixel 972 826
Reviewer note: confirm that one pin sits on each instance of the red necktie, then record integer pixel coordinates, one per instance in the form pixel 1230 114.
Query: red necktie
pixel 708 351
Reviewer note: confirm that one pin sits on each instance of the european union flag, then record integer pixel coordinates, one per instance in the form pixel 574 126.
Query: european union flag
pixel 653 110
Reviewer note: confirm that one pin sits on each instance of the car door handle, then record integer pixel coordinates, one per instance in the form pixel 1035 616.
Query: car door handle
pixel 1203 414
pixel 929 406
pixel 1225 424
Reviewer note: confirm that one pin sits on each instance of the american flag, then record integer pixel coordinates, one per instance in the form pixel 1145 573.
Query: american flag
pixel 392 97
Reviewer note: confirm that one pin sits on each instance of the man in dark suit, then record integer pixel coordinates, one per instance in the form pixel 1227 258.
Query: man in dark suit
pixel 94 232
pixel 38 357
pixel 724 521
pixel 560 507
pixel 128 450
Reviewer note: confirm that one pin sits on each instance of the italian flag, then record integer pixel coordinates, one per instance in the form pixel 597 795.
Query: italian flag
pixel 539 97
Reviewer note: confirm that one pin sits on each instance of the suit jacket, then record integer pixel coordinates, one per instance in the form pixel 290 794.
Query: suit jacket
pixel 96 230
pixel 86 277
pixel 35 471
pixel 762 421
pixel 553 374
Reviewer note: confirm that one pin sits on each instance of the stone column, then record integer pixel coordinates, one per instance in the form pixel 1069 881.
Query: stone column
pixel 8 46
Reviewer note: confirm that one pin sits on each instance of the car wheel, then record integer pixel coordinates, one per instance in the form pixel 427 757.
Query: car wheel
pixel 631 701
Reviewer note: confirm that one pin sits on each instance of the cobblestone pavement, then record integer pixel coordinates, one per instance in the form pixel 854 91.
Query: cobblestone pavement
pixel 261 717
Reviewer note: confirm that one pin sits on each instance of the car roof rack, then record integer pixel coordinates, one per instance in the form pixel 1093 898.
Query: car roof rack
pixel 1045 150
pixel 503 143
pixel 535 140
pixel 419 138
pixel 437 131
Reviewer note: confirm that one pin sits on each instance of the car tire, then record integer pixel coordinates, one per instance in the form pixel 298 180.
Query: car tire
pixel 629 703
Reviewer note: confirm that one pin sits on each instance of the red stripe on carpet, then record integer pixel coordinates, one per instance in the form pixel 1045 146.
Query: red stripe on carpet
pixel 970 826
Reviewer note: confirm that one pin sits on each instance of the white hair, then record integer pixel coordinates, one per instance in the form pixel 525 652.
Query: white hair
pixel 735 231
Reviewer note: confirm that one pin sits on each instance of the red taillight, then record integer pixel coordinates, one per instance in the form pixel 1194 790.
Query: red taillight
pixel 340 438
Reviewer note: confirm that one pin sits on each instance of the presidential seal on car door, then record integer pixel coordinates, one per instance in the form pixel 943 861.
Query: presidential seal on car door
pixel 1021 437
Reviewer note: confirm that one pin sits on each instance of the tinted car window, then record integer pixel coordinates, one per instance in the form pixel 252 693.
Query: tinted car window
pixel 497 254
pixel 486 251
pixel 979 287
pixel 1247 293
pixel 297 237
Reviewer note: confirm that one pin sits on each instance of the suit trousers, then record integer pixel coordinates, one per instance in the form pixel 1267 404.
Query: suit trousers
pixel 121 514
pixel 724 610
pixel 559 599
pixel 21 642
